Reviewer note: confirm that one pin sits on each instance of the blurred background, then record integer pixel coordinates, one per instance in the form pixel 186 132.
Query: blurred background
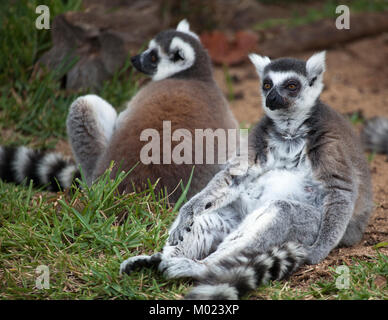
pixel 89 42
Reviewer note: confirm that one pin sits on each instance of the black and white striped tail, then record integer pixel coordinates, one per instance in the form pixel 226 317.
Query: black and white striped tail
pixel 375 135
pixel 235 276
pixel 52 170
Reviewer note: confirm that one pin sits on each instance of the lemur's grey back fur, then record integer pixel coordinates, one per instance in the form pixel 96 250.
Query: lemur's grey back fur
pixel 375 135
pixel 307 189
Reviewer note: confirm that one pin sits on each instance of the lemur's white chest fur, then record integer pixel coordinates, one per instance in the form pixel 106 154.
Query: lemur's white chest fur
pixel 287 175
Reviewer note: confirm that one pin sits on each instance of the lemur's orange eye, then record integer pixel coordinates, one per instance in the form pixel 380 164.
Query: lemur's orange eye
pixel 153 58
pixel 291 86
pixel 267 86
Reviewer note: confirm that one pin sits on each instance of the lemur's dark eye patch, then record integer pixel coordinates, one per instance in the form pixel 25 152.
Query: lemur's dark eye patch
pixel 153 56
pixel 177 56
pixel 267 84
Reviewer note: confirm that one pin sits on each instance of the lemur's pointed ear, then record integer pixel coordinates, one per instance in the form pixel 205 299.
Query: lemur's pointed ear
pixel 184 27
pixel 315 65
pixel 260 63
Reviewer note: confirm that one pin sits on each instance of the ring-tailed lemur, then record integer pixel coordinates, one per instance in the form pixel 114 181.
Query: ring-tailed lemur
pixel 375 135
pixel 307 190
pixel 183 92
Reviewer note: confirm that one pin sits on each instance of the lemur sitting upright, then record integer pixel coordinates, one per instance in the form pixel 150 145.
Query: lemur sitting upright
pixel 307 189
pixel 183 92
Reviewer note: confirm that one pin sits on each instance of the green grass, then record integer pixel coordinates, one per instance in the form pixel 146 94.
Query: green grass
pixel 83 236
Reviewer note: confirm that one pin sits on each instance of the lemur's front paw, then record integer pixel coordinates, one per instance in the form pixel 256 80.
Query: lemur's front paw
pixel 138 262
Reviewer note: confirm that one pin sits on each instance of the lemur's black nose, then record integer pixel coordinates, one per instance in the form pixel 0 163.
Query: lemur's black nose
pixel 275 101
pixel 135 60
pixel 272 96
pixel 271 99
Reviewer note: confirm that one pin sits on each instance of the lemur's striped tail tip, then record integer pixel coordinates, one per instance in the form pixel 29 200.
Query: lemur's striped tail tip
pixel 231 279
pixel 375 135
pixel 213 292
pixel 51 169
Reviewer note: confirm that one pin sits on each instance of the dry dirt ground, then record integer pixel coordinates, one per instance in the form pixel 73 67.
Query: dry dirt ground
pixel 356 79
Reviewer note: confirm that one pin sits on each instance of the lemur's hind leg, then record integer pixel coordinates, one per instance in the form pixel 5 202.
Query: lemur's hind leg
pixel 90 125
pixel 269 226
pixel 204 233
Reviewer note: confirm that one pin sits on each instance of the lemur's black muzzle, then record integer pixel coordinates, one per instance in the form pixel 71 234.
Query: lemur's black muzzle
pixel 146 62
pixel 136 62
pixel 275 101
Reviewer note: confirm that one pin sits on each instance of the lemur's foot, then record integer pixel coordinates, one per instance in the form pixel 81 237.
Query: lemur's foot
pixel 180 267
pixel 315 255
pixel 94 114
pixel 90 124
pixel 138 262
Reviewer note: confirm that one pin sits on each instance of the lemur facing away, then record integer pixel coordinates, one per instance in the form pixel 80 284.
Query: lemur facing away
pixel 375 135
pixel 183 92
pixel 307 189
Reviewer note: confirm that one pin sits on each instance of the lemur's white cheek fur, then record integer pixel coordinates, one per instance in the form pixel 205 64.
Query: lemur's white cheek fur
pixel 166 67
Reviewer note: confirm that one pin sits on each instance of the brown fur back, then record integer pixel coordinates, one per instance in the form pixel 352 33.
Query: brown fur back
pixel 187 105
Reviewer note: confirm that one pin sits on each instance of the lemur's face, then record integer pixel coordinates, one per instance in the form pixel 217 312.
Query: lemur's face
pixel 170 52
pixel 281 90
pixel 289 84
